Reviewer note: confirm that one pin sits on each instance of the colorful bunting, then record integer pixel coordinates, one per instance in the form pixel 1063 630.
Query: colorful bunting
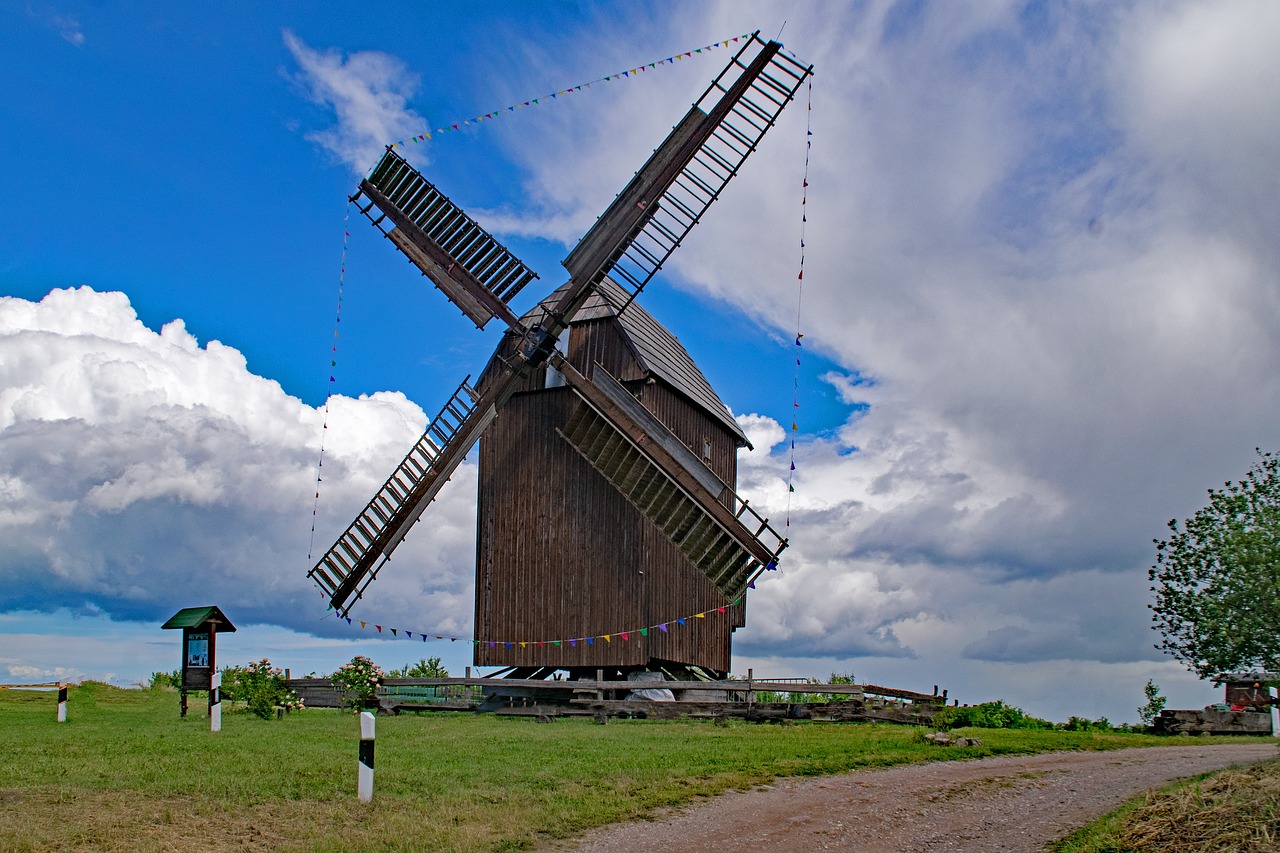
pixel 489 116
pixel 333 362
pixel 804 219
pixel 572 641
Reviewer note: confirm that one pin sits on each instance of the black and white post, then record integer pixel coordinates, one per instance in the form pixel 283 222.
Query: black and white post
pixel 215 702
pixel 364 783
pixel 62 703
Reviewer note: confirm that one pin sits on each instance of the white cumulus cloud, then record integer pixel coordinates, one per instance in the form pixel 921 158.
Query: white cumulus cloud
pixel 368 91
pixel 141 472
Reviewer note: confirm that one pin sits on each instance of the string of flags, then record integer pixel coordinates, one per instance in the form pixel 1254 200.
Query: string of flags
pixel 333 367
pixel 627 636
pixel 454 127
pixel 804 222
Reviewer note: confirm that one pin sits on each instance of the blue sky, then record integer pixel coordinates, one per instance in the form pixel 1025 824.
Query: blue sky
pixel 1041 271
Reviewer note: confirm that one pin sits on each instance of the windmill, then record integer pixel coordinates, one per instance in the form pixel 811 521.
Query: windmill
pixel 607 462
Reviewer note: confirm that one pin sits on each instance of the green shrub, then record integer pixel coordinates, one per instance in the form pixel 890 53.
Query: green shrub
pixel 1084 724
pixel 988 715
pixel 162 680
pixel 261 687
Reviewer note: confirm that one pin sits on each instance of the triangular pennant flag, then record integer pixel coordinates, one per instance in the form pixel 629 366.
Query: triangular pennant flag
pixel 720 609
pixel 591 641
pixel 752 585
pixel 508 645
pixel 555 643
pixel 523 644
pixel 409 634
pixel 791 488
pixel 379 627
pixel 362 623
pixel 681 621
pixel 393 633
pixel 644 632
pixel 663 627
pixel 348 620
pixel 624 636
pixel 573 643
pixel 700 616
pixel 607 638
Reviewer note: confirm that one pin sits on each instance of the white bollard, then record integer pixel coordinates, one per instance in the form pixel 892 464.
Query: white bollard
pixel 62 703
pixel 1275 712
pixel 364 783
pixel 215 702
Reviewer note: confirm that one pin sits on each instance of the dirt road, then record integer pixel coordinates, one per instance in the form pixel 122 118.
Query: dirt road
pixel 1010 803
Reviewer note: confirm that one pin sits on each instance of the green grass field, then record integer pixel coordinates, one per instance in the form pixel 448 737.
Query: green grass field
pixel 126 773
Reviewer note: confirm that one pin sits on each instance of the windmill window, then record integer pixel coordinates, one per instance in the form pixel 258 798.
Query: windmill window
pixel 706 449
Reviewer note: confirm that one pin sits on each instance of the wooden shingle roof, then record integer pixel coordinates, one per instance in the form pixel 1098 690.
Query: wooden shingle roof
pixel 659 352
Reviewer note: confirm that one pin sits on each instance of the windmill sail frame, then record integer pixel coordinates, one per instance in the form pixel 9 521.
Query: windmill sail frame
pixel 631 241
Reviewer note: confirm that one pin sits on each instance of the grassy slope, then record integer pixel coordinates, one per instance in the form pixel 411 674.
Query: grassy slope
pixel 1236 810
pixel 126 773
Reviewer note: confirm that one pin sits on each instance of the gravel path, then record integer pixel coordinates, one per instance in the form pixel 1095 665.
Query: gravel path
pixel 1009 803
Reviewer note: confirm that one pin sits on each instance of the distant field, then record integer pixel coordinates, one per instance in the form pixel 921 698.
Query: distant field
pixel 125 773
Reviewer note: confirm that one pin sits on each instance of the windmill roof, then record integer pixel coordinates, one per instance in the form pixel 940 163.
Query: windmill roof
pixel 656 348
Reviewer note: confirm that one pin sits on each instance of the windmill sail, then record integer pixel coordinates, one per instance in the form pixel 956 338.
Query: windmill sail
pixel 355 558
pixel 631 241
pixel 474 270
pixel 686 174
pixel 653 470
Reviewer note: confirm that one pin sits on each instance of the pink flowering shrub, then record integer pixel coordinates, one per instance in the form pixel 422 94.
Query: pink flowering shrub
pixel 357 681
pixel 261 687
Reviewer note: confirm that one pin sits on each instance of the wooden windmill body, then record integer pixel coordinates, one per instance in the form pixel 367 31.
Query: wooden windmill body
pixel 562 555
pixel 607 464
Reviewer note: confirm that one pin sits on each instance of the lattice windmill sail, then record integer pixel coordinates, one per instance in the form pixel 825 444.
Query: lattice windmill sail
pixel 599 410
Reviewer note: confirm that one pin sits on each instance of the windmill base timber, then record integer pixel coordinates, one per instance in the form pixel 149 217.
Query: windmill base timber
pixel 607 462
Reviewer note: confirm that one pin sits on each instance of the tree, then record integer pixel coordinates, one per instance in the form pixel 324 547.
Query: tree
pixel 1155 703
pixel 1216 578
pixel 424 668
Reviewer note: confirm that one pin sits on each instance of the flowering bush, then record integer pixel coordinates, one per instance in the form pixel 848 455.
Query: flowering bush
pixel 261 687
pixel 357 681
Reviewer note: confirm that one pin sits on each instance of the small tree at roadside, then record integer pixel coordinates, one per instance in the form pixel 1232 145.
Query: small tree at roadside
pixel 1216 578
pixel 1155 703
